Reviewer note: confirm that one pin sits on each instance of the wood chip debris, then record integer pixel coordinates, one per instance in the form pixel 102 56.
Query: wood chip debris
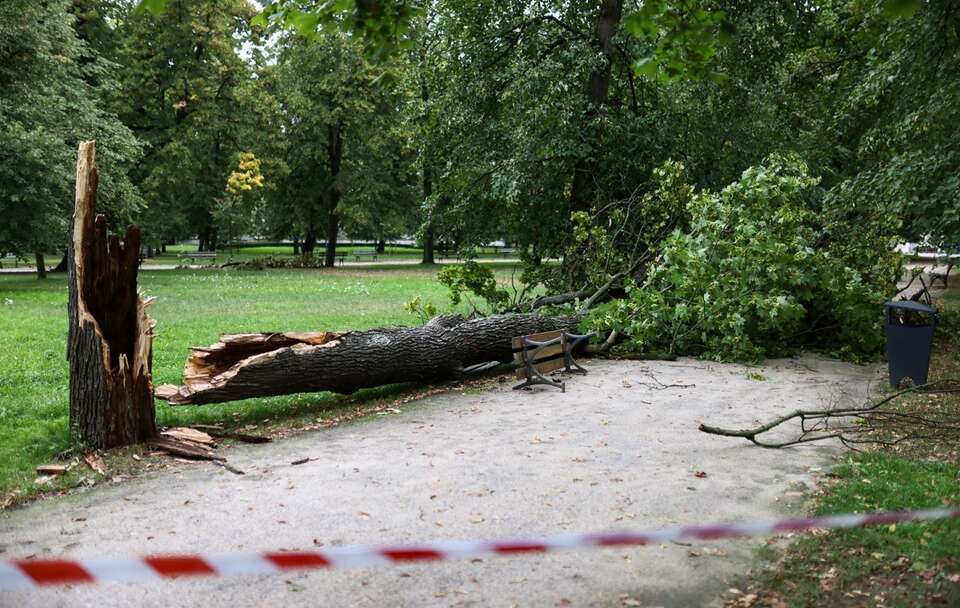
pixel 51 469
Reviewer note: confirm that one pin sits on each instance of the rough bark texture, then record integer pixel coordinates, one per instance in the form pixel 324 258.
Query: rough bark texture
pixel 334 155
pixel 41 265
pixel 586 169
pixel 598 85
pixel 110 335
pixel 427 183
pixel 241 366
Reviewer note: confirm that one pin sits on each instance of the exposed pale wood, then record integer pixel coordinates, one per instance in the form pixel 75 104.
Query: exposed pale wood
pixel 186 449
pixel 110 334
pixel 51 469
pixel 188 434
pixel 215 431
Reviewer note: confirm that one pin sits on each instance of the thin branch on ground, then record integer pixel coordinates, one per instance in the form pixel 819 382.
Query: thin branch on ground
pixel 659 386
pixel 868 424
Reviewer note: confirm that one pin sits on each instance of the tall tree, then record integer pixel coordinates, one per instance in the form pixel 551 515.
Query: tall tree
pixel 339 145
pixel 182 71
pixel 52 90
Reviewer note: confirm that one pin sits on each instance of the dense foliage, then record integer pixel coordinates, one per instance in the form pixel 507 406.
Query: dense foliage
pixel 52 83
pixel 755 275
pixel 591 133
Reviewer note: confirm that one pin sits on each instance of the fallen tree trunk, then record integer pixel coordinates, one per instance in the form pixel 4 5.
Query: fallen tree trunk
pixel 110 335
pixel 241 366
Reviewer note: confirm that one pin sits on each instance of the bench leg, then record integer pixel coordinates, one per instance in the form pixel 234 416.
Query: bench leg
pixel 541 380
pixel 570 342
pixel 534 377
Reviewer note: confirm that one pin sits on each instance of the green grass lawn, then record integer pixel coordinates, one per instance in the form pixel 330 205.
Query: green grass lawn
pixel 192 308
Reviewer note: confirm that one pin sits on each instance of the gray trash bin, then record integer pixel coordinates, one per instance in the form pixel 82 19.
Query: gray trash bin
pixel 910 326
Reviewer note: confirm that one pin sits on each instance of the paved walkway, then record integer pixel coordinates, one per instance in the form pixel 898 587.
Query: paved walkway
pixel 379 263
pixel 619 449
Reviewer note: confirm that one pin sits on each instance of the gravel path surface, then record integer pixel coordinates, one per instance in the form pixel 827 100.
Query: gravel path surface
pixel 617 450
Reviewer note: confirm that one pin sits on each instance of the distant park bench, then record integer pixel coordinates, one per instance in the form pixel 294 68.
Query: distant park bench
pixel 9 258
pixel 193 256
pixel 538 354
pixel 507 251
pixel 365 253
pixel 942 277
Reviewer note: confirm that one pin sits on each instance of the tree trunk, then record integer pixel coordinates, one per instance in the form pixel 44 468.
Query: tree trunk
pixel 241 366
pixel 585 170
pixel 62 264
pixel 428 231
pixel 296 246
pixel 381 246
pixel 333 227
pixel 41 265
pixel 334 155
pixel 428 238
pixel 309 242
pixel 110 335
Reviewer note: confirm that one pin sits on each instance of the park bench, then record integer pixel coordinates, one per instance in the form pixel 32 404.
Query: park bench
pixel 538 354
pixel 507 251
pixel 199 255
pixel 942 276
pixel 365 253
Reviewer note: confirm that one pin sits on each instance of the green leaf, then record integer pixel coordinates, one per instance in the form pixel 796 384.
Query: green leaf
pixel 897 9
pixel 646 67
pixel 154 7
pixel 305 23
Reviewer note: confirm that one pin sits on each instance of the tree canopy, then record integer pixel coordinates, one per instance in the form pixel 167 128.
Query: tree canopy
pixel 600 139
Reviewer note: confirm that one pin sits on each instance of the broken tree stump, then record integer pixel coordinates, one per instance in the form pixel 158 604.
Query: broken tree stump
pixel 241 366
pixel 110 335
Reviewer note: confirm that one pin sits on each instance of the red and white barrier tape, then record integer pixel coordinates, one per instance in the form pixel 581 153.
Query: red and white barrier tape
pixel 29 573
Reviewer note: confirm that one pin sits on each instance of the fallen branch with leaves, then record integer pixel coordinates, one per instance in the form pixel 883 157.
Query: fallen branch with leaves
pixel 875 423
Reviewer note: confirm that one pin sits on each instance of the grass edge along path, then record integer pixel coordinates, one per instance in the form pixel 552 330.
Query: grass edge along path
pixel 915 564
pixel 193 308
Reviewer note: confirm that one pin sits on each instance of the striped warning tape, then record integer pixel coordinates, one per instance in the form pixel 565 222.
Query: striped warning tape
pixel 29 573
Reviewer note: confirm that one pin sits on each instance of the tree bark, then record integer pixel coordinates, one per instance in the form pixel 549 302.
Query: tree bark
pixel 62 264
pixel 41 265
pixel 309 242
pixel 586 168
pixel 381 246
pixel 428 238
pixel 598 85
pixel 241 366
pixel 110 335
pixel 334 154
pixel 428 231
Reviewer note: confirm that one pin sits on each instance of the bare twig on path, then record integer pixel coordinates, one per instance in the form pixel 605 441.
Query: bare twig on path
pixel 854 426
pixel 659 386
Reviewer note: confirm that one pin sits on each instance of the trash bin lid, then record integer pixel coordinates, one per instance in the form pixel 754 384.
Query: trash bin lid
pixel 910 305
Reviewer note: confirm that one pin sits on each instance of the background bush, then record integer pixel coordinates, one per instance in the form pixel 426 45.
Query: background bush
pixel 764 268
